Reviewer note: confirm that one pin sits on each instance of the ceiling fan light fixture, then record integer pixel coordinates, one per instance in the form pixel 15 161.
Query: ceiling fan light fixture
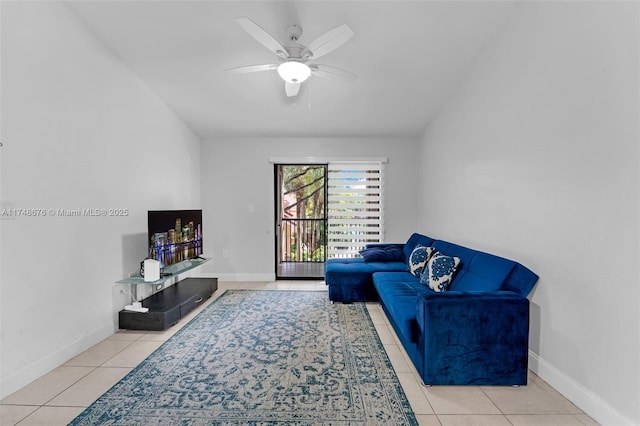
pixel 294 71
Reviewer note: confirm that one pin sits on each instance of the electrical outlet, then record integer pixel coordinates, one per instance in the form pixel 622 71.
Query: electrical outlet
pixel 225 253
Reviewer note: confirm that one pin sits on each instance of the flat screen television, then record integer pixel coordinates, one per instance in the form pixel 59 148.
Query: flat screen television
pixel 174 235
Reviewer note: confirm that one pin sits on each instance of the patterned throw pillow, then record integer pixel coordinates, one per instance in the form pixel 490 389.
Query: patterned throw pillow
pixel 418 259
pixel 439 271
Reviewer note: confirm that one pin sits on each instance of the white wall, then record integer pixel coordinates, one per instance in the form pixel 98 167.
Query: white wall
pixel 236 173
pixel 536 158
pixel 79 131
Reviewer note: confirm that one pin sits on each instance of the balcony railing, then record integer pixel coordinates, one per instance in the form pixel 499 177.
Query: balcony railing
pixel 303 240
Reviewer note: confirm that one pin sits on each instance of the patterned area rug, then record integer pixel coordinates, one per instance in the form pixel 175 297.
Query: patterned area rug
pixel 258 358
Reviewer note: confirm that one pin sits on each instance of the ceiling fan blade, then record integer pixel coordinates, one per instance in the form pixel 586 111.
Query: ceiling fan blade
pixel 291 89
pixel 328 42
pixel 263 37
pixel 327 71
pixel 253 68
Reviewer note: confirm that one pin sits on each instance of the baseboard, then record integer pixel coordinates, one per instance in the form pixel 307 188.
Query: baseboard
pixel 232 277
pixel 583 398
pixel 51 361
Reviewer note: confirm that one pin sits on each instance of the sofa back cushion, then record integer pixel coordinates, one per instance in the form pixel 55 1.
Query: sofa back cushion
pixel 480 271
pixel 414 240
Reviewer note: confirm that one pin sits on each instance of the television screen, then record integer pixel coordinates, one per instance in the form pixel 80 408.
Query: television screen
pixel 174 235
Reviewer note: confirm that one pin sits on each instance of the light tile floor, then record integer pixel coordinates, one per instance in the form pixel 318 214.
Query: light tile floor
pixel 62 394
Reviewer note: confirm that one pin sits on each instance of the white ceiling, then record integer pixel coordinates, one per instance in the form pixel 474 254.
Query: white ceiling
pixel 408 56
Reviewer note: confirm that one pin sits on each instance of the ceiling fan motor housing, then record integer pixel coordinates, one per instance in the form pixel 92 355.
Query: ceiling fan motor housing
pixel 295 52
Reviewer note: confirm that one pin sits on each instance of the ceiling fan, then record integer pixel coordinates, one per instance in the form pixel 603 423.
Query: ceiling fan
pixel 294 58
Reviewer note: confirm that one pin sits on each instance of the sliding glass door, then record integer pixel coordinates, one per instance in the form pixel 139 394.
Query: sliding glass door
pixel 301 220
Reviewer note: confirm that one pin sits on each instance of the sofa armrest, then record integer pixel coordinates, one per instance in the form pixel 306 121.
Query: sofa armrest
pixel 474 338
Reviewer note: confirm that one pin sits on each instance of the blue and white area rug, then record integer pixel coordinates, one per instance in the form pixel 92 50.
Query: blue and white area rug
pixel 259 358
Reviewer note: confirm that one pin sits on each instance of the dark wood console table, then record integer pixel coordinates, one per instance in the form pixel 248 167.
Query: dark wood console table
pixel 168 306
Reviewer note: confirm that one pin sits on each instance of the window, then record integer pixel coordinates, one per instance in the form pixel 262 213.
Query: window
pixel 355 207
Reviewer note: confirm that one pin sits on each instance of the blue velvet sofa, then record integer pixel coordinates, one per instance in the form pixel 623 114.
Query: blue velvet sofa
pixel 474 333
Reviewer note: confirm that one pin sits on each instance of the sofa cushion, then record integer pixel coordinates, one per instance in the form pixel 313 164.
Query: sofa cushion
pixel 390 253
pixel 355 271
pixel 398 292
pixel 418 260
pixel 478 271
pixel 414 240
pixel 439 271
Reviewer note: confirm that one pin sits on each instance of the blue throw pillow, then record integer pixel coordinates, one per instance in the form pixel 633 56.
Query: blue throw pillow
pixel 392 253
pixel 439 271
pixel 418 259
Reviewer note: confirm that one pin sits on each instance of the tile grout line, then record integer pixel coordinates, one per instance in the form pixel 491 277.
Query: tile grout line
pixel 496 405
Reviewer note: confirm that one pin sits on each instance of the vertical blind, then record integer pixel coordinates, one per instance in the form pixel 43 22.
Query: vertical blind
pixel 355 210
